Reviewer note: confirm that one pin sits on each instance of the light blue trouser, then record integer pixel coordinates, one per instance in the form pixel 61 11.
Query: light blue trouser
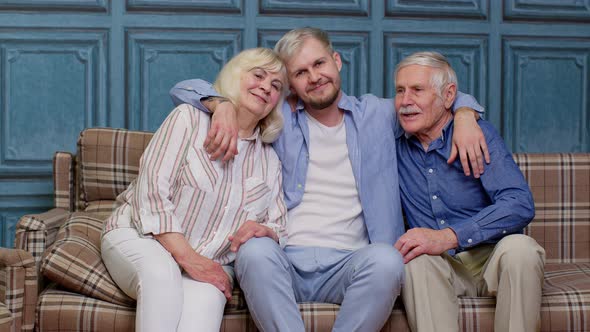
pixel 365 282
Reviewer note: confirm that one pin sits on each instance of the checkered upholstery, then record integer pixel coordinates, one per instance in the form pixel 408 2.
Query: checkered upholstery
pixel 107 160
pixel 18 290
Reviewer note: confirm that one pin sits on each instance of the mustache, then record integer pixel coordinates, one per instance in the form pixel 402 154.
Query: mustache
pixel 409 110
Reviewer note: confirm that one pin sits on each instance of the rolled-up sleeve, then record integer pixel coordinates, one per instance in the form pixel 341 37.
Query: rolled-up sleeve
pixel 191 92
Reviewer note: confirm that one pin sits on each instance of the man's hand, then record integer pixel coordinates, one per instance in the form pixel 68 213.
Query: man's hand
pixel 469 142
pixel 249 230
pixel 222 138
pixel 206 270
pixel 420 241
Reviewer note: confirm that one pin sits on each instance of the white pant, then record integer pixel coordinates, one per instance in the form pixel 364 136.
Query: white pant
pixel 167 300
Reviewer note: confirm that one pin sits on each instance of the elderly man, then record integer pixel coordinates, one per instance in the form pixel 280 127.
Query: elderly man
pixel 341 189
pixel 465 232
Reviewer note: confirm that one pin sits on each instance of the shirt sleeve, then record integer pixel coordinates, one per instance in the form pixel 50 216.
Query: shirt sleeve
pixel 277 210
pixel 466 100
pixel 159 169
pixel 191 92
pixel 512 205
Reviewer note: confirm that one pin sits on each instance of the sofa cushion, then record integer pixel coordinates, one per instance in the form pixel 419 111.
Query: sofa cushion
pixel 81 313
pixel 560 183
pixel 74 261
pixel 108 160
pixel 101 209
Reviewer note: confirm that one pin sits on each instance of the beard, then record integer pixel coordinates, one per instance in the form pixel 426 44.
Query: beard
pixel 320 103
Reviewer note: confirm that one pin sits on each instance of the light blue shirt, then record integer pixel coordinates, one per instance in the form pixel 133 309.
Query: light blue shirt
pixel 371 124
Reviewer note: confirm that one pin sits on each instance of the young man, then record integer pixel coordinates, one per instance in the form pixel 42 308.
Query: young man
pixel 341 188
pixel 465 232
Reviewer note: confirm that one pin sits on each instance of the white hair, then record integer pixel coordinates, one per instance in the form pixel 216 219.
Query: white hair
pixel 441 77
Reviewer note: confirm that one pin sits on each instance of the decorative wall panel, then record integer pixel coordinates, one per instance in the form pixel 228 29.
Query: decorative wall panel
pixel 546 90
pixel 547 9
pixel 315 7
pixel 156 60
pixel 54 86
pixel 437 8
pixel 353 49
pixel 467 55
pixel 55 5
pixel 210 6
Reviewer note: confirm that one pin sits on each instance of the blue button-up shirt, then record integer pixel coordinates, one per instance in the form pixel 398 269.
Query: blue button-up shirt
pixel 436 195
pixel 371 125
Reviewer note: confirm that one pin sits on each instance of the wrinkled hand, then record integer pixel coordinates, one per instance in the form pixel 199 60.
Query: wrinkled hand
pixel 222 138
pixel 206 270
pixel 420 241
pixel 469 143
pixel 249 230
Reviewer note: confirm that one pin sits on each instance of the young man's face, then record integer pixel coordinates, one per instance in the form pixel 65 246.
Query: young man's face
pixel 420 108
pixel 314 74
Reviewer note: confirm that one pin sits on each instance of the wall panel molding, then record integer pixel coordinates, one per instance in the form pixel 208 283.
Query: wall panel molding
pixel 545 80
pixel 554 10
pixel 182 6
pixel 156 59
pixel 55 5
pixel 437 8
pixel 353 48
pixel 53 85
pixel 467 55
pixel 315 7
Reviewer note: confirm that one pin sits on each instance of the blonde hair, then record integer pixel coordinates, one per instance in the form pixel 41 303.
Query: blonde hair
pixel 292 41
pixel 228 85
pixel 441 77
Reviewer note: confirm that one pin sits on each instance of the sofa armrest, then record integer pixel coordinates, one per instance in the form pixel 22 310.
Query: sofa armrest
pixel 18 287
pixel 64 181
pixel 36 232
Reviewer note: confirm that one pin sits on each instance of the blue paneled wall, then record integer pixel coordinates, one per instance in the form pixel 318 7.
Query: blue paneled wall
pixel 66 65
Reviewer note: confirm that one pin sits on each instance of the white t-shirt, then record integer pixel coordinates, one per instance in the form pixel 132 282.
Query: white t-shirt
pixel 330 212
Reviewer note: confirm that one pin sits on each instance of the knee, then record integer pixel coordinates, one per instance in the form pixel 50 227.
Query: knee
pixel 520 252
pixel 385 262
pixel 257 253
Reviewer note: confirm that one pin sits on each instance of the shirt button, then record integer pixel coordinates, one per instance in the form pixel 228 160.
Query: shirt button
pixel 434 197
pixel 504 232
pixel 226 207
pixel 430 171
pixel 469 240
pixel 299 185
pixel 442 222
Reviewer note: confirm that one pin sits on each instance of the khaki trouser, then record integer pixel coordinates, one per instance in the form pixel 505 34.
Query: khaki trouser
pixel 511 270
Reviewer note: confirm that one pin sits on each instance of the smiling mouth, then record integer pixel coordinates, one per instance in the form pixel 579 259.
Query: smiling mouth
pixel 262 100
pixel 318 87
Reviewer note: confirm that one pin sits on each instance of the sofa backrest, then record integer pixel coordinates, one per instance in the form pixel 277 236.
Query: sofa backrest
pixel 560 183
pixel 108 160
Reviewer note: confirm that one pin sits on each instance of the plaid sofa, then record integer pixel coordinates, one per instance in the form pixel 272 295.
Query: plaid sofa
pixel 79 295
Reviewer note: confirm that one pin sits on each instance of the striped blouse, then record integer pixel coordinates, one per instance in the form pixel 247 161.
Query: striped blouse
pixel 179 189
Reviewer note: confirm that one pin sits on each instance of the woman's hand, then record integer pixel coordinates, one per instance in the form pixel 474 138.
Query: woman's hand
pixel 196 266
pixel 206 270
pixel 249 230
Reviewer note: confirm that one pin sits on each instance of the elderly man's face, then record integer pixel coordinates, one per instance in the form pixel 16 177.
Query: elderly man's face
pixel 419 107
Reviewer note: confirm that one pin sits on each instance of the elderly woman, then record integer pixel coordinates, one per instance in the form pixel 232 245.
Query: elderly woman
pixel 171 243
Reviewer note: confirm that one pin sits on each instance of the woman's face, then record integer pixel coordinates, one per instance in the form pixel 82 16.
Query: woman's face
pixel 260 91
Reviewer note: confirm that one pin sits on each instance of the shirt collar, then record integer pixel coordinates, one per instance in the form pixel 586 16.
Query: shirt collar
pixel 255 135
pixel 446 132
